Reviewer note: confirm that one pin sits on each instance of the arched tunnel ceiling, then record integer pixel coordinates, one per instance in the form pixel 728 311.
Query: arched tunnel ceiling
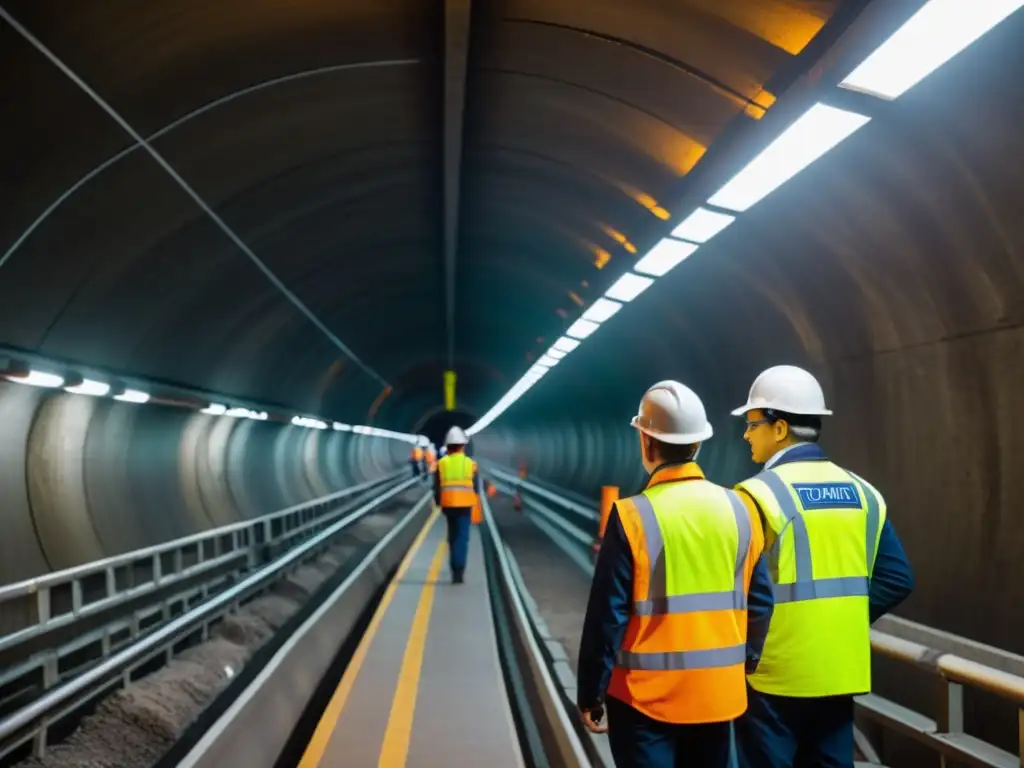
pixel 314 133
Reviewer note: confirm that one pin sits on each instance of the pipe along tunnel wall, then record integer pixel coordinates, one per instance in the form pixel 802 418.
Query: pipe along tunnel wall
pixel 83 478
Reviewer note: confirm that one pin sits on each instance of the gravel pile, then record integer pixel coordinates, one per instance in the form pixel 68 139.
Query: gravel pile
pixel 134 726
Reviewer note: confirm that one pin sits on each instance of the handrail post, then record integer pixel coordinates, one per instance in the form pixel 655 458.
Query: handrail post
pixel 1020 735
pixel 951 712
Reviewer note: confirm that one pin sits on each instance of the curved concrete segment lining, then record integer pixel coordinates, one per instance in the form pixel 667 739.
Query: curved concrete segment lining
pixel 83 478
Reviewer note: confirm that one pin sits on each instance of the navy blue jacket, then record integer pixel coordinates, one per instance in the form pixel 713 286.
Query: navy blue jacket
pixel 610 606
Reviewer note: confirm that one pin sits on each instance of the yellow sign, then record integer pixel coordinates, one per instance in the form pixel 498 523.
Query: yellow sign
pixel 449 390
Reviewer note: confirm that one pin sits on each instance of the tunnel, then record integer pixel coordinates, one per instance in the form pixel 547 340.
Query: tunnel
pixel 310 212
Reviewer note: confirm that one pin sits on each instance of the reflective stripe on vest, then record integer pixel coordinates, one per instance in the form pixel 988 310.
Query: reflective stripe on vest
pixel 806 587
pixel 682 657
pixel 457 481
pixel 658 602
pixel 827 522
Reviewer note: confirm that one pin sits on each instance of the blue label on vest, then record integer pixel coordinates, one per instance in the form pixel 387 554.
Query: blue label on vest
pixel 827 495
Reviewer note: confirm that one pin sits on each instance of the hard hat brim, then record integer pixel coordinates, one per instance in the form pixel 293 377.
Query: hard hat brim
pixel 675 438
pixel 743 410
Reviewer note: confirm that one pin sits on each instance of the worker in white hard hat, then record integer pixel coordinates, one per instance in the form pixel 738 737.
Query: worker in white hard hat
pixel 680 601
pixel 456 492
pixel 836 566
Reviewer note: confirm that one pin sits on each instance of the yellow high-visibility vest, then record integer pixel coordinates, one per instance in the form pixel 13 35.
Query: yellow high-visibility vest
pixel 826 523
pixel 457 472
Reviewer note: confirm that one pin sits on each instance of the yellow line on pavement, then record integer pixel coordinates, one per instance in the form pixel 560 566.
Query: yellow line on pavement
pixel 395 749
pixel 325 728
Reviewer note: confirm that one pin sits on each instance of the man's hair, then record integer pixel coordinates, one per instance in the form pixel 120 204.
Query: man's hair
pixel 671 453
pixel 806 428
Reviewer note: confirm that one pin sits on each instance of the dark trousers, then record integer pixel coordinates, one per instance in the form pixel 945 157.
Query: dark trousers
pixel 458 537
pixel 787 732
pixel 638 741
pixel 415 468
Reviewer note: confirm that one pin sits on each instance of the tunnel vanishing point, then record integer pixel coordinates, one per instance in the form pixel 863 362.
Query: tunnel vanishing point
pixel 315 209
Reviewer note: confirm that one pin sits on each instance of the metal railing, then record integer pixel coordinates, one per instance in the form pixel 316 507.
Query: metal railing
pixel 251 543
pixel 563 744
pixel 55 599
pixel 256 726
pixel 944 733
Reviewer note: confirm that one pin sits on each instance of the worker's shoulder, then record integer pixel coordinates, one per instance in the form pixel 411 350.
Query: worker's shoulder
pixel 866 483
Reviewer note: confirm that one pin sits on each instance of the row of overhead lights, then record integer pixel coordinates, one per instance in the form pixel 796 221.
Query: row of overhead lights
pixel 79 385
pixel 930 38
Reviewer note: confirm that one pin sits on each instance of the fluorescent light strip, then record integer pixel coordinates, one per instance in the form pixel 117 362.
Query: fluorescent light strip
pixel 810 136
pixel 89 387
pixel 38 379
pixel 701 225
pixel 133 396
pixel 581 329
pixel 664 256
pixel 547 360
pixel 565 344
pixel 628 287
pixel 935 34
pixel 556 353
pixel 601 310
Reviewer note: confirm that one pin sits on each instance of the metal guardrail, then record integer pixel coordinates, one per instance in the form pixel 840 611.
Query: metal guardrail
pixel 588 513
pixel 944 734
pixel 32 720
pixel 62 596
pixel 81 614
pixel 255 727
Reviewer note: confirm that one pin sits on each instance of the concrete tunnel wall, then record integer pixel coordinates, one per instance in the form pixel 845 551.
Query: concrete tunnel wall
pixel 893 269
pixel 83 478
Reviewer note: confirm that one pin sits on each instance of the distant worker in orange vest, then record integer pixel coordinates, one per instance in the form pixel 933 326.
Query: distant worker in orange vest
pixel 456 489
pixel 416 459
pixel 431 459
pixel 680 602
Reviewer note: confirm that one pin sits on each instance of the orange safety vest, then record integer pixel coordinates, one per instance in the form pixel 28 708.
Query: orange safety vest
pixel 457 474
pixel 431 461
pixel 694 547
pixel 417 454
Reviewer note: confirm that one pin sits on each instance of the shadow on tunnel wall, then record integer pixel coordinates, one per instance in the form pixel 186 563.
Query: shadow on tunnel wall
pixel 83 478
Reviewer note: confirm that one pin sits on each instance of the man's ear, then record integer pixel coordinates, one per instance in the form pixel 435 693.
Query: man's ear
pixel 781 428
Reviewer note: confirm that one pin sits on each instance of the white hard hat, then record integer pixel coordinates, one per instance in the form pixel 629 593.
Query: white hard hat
pixel 672 413
pixel 456 436
pixel 786 388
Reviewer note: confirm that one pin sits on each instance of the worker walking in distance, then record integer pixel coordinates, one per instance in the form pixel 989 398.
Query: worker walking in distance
pixel 836 564
pixel 680 602
pixel 456 489
pixel 416 459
